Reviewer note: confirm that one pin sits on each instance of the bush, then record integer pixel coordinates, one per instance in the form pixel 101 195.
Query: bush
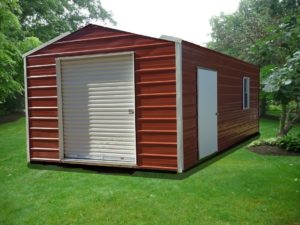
pixel 289 143
pixel 269 141
pixel 12 105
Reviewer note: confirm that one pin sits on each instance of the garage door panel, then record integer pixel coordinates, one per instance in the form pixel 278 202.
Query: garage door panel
pixel 75 134
pixel 94 60
pixel 104 97
pixel 102 84
pixel 98 102
pixel 106 105
pixel 100 130
pixel 111 158
pixel 98 93
pixel 95 111
pixel 102 121
pixel 92 117
pixel 108 75
pixel 103 126
pixel 113 143
pixel 92 86
pixel 92 81
pixel 105 119
pixel 100 148
pixel 103 138
pixel 105 64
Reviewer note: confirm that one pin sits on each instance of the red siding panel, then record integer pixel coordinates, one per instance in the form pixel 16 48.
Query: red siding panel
pixel 41 122
pixel 41 81
pixel 168 112
pixel 44 133
pixel 44 154
pixel 42 112
pixel 42 102
pixel 42 92
pixel 234 123
pixel 155 91
pixel 43 144
pixel 159 161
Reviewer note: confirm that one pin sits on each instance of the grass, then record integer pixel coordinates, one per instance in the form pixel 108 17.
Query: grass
pixel 238 187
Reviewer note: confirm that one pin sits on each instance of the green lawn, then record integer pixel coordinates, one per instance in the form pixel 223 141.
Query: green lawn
pixel 238 187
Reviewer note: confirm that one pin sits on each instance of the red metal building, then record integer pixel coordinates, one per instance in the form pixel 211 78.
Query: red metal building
pixel 107 97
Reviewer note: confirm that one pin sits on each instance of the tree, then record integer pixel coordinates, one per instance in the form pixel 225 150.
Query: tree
pixel 26 24
pixel 10 56
pixel 235 34
pixel 282 46
pixel 266 33
pixel 49 18
pixel 284 84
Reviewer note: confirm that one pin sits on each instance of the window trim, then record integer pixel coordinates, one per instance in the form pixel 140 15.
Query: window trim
pixel 246 91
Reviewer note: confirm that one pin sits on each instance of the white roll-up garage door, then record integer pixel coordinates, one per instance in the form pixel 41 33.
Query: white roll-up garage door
pixel 98 103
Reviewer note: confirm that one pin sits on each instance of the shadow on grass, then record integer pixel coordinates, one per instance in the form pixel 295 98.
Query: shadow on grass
pixel 81 168
pixel 11 117
pixel 202 164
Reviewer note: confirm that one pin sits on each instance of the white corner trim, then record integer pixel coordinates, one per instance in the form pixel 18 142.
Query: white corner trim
pixel 26 111
pixel 59 109
pixel 171 38
pixel 46 44
pixel 179 118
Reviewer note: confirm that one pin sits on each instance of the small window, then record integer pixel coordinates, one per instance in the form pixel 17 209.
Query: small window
pixel 246 93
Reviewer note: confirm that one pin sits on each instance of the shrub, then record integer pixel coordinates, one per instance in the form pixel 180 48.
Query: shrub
pixel 289 143
pixel 269 141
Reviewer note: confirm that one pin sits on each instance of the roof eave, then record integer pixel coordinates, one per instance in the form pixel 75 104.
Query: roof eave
pixel 46 44
pixel 171 38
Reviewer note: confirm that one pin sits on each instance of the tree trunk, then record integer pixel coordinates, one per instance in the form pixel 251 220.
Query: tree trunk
pixel 283 119
pixel 263 107
pixel 287 119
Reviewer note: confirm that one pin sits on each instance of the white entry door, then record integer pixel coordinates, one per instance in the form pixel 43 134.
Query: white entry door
pixel 207 112
pixel 98 103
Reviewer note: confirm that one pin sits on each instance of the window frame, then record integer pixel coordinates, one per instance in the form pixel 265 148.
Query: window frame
pixel 246 93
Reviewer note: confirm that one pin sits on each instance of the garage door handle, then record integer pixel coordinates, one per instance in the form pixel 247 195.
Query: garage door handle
pixel 130 111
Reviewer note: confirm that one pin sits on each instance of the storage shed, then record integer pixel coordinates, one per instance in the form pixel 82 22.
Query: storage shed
pixel 107 97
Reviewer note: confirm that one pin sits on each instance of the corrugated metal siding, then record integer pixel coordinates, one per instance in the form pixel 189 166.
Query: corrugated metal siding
pixel 155 91
pixel 234 123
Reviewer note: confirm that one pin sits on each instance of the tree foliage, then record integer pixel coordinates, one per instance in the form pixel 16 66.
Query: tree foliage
pixel 10 56
pixel 26 24
pixel 266 33
pixel 49 18
pixel 235 33
pixel 284 85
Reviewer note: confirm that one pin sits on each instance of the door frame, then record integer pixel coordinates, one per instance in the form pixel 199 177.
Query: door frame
pixel 197 113
pixel 60 108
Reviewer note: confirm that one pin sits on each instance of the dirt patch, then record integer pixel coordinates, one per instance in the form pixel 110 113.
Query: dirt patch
pixel 272 150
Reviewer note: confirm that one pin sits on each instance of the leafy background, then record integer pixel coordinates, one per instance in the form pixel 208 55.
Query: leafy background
pixel 262 32
pixel 26 24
